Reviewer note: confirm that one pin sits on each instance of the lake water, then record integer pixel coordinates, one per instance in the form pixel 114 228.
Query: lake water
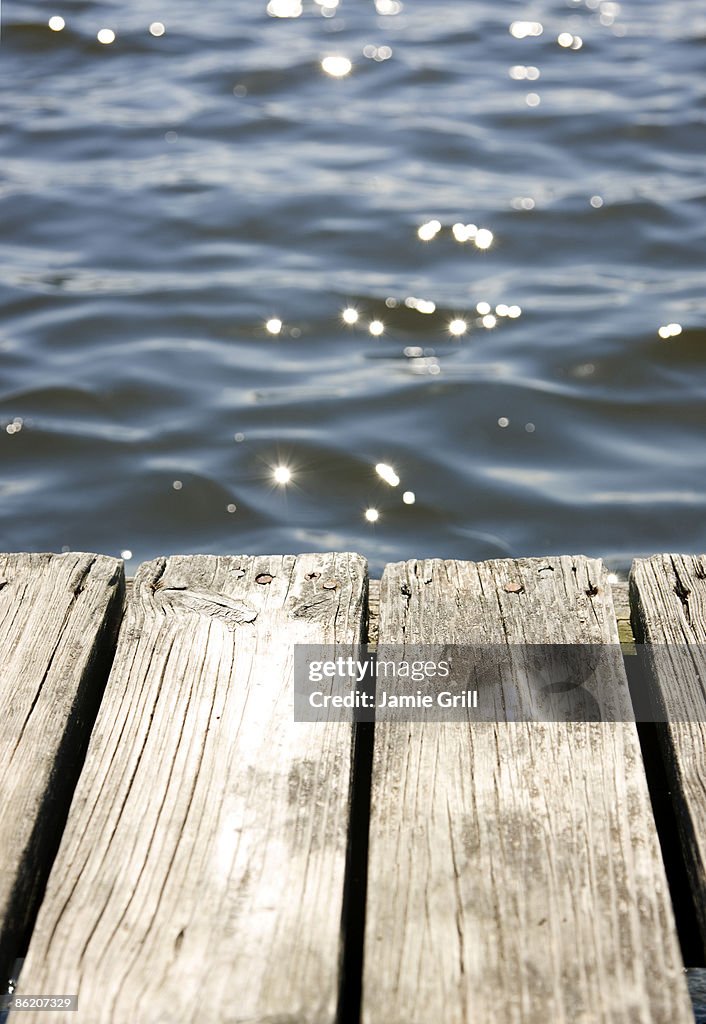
pixel 167 195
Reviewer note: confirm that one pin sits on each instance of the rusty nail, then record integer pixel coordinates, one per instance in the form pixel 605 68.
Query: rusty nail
pixel 513 588
pixel 264 578
pixel 330 584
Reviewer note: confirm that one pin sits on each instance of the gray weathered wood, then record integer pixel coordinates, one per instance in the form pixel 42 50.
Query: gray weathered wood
pixel 668 595
pixel 514 871
pixel 58 620
pixel 201 874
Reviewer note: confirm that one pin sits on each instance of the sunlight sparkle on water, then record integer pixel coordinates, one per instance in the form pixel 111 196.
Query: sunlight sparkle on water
pixel 388 7
pixel 378 53
pixel 483 308
pixel 430 229
pixel 464 232
pixel 106 36
pixel 533 99
pixel 376 328
pixel 157 28
pixel 425 306
pixel 489 321
pixel 521 71
pixel 596 202
pixel 337 67
pixel 284 8
pixel 273 325
pixel 56 23
pixel 523 29
pixel 409 497
pixel 670 331
pixel 514 311
pixel 350 315
pixel 387 474
pixel 484 238
pixel 569 41
pixel 126 554
pixel 372 515
pixel 458 327
pixel 282 475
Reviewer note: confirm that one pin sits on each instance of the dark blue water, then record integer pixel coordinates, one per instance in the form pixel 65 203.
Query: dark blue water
pixel 163 196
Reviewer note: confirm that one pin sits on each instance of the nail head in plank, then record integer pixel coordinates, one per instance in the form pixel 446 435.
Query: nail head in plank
pixel 58 620
pixel 514 869
pixel 668 595
pixel 202 871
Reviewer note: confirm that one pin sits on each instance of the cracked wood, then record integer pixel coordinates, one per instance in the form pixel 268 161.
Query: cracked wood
pixel 668 595
pixel 514 868
pixel 201 873
pixel 58 619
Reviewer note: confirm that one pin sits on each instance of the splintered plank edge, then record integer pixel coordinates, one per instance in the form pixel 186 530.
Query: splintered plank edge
pixel 668 595
pixel 59 615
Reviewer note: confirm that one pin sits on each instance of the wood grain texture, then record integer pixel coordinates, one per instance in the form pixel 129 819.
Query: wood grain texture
pixel 58 620
pixel 202 869
pixel 514 870
pixel 668 595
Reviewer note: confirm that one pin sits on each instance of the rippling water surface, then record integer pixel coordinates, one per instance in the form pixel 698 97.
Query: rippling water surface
pixel 186 215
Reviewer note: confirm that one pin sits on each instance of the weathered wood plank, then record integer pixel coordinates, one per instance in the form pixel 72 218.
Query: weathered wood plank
pixel 668 594
pixel 514 870
pixel 201 874
pixel 59 616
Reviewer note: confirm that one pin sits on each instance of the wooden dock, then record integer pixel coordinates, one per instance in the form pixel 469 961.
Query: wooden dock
pixel 174 847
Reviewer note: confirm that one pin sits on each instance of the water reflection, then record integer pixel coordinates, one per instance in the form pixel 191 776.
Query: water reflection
pixel 458 327
pixel 138 292
pixel 387 473
pixel 523 29
pixel 282 475
pixel 285 8
pixel 336 66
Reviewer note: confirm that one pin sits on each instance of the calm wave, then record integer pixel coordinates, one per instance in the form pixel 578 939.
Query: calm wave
pixel 508 196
